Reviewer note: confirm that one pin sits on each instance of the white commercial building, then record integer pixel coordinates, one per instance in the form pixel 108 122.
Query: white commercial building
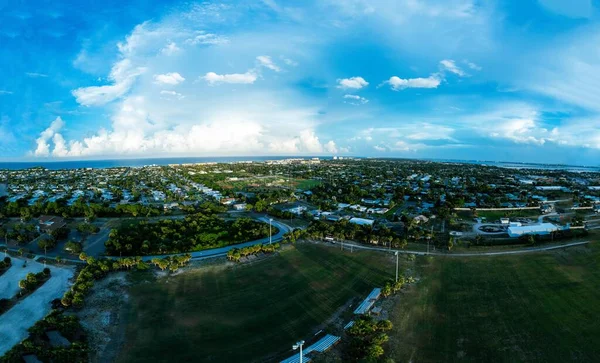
pixel 361 221
pixel 539 229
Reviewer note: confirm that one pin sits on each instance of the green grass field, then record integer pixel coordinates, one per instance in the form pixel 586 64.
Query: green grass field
pixel 306 184
pixel 246 312
pixel 538 307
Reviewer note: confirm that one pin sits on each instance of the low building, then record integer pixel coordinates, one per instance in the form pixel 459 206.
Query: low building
pixel 170 206
pixel 546 208
pixel 298 210
pixel 532 229
pixel 421 219
pixel 377 210
pixel 362 221
pixel 549 188
pixel 504 220
pixel 48 224
pixel 240 206
pixel 227 201
pixel 358 208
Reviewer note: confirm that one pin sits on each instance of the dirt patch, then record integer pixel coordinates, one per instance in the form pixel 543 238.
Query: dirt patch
pixel 102 317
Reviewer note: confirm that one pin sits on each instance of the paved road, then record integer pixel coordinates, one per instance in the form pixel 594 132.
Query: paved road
pixel 497 253
pixel 211 253
pixel 541 217
pixel 93 245
pixel 216 252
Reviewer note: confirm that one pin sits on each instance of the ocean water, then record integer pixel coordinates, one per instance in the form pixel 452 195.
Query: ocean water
pixel 111 163
pixel 516 165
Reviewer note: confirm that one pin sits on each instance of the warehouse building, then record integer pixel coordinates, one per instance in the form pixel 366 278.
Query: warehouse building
pixel 535 229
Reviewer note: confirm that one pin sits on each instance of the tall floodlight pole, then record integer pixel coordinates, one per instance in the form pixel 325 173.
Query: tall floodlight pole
pixel 299 345
pixel 270 237
pixel 397 254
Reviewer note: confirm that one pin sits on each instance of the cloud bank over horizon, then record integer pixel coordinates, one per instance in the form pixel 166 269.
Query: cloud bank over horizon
pixel 430 79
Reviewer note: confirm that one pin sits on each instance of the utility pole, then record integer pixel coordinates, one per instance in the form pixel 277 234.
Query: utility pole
pixel 299 345
pixel 397 254
pixel 270 237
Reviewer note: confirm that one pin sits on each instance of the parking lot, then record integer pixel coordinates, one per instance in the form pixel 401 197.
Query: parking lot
pixel 15 322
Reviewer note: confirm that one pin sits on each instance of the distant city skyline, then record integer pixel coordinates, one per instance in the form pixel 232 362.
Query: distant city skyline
pixel 513 81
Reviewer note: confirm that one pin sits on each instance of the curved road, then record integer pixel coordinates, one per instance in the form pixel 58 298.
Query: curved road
pixel 222 251
pixel 215 252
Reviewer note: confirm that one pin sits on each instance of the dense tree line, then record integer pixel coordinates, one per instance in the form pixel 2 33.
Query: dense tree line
pixel 47 242
pixel 95 270
pixel 344 230
pixel 172 263
pixel 21 232
pixel 80 208
pixel 87 228
pixel 237 253
pixel 391 287
pixel 193 233
pixel 366 339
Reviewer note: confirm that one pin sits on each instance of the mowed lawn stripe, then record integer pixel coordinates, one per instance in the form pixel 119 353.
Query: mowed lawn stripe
pixel 541 307
pixel 247 312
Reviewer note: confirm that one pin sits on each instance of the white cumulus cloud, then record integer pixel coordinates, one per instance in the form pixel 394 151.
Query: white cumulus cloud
pixel 397 83
pixel 172 79
pixel 352 83
pixel 241 78
pixel 43 147
pixel 331 147
pixel 355 99
pixel 170 49
pixel 123 74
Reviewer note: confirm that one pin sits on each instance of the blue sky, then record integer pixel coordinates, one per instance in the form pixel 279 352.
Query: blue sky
pixel 455 79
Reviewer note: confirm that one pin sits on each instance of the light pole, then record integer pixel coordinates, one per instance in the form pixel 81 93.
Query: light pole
pixel 270 238
pixel 299 345
pixel 397 254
